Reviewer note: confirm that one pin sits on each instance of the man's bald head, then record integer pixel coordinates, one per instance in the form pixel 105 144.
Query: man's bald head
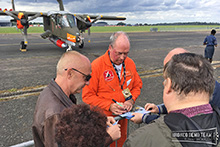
pixel 172 53
pixel 72 59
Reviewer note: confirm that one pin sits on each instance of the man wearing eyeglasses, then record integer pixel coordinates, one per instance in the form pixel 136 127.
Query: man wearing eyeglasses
pixel 115 83
pixel 73 73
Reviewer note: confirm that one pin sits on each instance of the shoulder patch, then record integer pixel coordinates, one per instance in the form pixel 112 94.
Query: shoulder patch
pixel 108 75
pixel 128 73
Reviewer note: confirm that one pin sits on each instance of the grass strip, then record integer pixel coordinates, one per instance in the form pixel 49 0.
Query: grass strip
pixel 110 29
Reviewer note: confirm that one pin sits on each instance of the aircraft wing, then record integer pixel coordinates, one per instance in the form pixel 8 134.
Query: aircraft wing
pixel 3 12
pixel 100 17
pixel 107 17
pixel 84 20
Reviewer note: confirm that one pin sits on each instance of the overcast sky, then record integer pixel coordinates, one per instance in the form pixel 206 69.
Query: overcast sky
pixel 136 11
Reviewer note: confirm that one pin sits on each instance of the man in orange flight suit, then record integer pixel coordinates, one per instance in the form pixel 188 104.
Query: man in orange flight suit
pixel 114 76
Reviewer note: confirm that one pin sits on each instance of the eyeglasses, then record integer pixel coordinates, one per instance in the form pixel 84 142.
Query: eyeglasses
pixel 88 77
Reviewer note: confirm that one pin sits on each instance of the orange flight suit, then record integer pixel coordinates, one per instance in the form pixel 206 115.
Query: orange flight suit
pixel 104 86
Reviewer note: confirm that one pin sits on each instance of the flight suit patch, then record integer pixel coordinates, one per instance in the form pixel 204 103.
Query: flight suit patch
pixel 128 73
pixel 108 75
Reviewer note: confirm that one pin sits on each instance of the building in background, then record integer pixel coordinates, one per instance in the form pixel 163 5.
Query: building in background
pixel 100 24
pixel 5 23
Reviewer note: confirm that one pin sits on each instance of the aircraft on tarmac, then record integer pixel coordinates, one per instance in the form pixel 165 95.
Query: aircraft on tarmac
pixel 63 28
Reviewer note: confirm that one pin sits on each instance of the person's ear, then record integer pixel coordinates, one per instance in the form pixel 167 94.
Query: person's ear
pixel 167 85
pixel 110 47
pixel 69 73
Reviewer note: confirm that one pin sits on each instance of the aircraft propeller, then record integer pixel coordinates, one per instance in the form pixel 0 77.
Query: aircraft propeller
pixel 10 14
pixel 23 24
pixel 88 24
pixel 96 19
pixel 89 34
pixel 24 21
pixel 35 16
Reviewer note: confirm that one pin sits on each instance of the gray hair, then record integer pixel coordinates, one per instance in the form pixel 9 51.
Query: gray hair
pixel 115 35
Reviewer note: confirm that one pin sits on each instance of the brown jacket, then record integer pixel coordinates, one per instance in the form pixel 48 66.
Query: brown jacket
pixel 50 103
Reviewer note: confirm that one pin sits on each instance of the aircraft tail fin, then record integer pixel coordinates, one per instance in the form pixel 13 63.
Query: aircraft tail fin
pixel 13 5
pixel 61 5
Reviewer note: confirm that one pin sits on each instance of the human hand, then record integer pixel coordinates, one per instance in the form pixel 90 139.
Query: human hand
pixel 137 118
pixel 128 105
pixel 151 107
pixel 114 132
pixel 110 121
pixel 116 109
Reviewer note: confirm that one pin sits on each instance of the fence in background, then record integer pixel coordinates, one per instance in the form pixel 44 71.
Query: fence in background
pixel 179 28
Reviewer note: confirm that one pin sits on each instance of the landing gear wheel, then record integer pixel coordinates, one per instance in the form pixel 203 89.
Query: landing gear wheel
pixel 23 47
pixel 81 45
pixel 69 48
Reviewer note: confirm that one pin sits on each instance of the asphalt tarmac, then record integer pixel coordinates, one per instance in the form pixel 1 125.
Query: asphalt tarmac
pixel 35 68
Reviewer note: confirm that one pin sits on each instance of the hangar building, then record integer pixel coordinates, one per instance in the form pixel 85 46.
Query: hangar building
pixel 5 23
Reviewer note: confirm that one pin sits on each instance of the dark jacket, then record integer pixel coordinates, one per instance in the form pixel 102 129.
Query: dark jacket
pixel 50 103
pixel 161 131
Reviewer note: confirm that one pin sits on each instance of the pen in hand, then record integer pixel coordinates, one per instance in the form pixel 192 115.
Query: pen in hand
pixel 118 104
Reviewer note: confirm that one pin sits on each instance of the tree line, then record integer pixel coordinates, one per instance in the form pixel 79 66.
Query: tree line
pixel 176 23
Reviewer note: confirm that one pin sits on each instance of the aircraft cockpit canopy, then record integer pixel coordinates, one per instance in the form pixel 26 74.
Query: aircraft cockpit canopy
pixel 66 20
pixel 63 18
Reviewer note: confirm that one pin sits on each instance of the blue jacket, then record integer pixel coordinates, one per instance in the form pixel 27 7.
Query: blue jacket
pixel 210 40
pixel 216 95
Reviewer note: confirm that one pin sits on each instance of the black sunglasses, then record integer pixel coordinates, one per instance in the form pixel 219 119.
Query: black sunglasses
pixel 88 77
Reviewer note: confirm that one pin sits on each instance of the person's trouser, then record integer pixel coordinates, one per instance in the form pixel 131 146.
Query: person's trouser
pixel 209 51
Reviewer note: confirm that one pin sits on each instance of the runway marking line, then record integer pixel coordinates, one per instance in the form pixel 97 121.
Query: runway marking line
pixel 27 91
pixel 17 93
pixel 19 44
pixel 159 72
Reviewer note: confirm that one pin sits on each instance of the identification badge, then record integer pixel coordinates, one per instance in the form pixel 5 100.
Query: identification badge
pixel 126 92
